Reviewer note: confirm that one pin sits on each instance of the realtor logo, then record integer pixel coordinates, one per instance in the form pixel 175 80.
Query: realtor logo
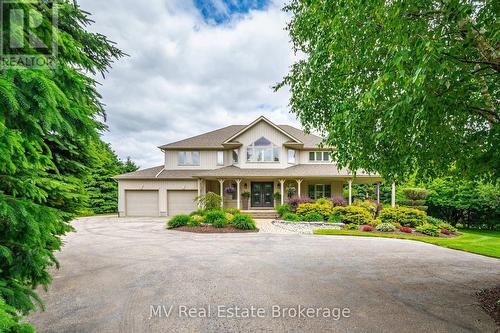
pixel 28 33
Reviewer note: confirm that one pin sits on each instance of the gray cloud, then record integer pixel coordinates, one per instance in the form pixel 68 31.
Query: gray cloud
pixel 185 77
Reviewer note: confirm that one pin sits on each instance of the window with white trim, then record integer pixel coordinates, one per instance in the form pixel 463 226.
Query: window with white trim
pixel 263 150
pixel 189 158
pixel 319 156
pixel 317 191
pixel 292 156
pixel 236 156
pixel 220 157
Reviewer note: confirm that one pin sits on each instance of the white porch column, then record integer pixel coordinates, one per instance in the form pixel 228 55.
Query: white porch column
pixel 393 196
pixel 378 192
pixel 199 190
pixel 238 181
pixel 221 182
pixel 299 181
pixel 282 185
pixel 350 192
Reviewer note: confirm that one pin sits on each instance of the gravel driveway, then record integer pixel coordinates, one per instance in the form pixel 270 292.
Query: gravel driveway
pixel 117 274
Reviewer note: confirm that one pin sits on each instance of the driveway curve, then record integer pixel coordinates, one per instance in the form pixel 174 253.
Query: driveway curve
pixel 125 274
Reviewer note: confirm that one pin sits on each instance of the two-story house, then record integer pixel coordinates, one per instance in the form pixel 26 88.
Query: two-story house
pixel 261 158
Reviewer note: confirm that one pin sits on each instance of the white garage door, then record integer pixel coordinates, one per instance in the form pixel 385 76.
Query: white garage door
pixel 181 202
pixel 142 203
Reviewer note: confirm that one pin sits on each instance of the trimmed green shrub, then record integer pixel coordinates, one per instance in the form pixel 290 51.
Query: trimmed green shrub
pixel 351 226
pixel 416 193
pixel 371 207
pixel 200 212
pixel 214 215
pixel 244 222
pixel 407 217
pixel 375 222
pixel 334 219
pixel 386 227
pixel 283 209
pixel 428 229
pixel 440 224
pixel 179 221
pixel 219 223
pixel 352 214
pixel 324 208
pixel 291 217
pixel 313 217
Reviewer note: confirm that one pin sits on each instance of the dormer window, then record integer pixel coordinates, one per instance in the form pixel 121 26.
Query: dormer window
pixel 263 150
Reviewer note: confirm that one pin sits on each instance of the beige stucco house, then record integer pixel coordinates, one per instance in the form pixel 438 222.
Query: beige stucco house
pixel 261 158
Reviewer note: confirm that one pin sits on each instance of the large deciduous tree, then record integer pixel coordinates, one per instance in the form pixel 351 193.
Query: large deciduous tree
pixel 49 120
pixel 398 86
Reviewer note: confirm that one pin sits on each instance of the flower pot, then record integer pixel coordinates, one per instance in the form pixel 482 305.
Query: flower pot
pixel 244 203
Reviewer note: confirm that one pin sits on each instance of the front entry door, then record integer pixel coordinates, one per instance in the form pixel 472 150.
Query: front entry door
pixel 262 195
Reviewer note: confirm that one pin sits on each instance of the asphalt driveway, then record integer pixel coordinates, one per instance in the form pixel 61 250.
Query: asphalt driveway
pixel 117 274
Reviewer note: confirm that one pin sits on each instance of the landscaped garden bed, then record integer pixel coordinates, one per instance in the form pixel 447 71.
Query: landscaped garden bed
pixel 210 229
pixel 212 218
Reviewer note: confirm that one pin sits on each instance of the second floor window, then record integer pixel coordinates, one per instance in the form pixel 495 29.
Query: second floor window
pixel 263 150
pixel 220 157
pixel 236 156
pixel 291 156
pixel 189 158
pixel 319 156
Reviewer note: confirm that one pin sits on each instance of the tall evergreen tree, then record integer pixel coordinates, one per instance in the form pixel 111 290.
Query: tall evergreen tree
pixel 49 119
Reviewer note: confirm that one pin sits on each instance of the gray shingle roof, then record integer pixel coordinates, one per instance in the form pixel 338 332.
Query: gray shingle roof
pixel 214 139
pixel 151 173
pixel 301 170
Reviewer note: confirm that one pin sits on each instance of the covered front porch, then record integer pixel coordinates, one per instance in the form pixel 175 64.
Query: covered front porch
pixel 265 193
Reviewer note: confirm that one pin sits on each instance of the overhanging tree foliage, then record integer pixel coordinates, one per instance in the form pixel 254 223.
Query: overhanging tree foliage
pixel 400 85
pixel 49 124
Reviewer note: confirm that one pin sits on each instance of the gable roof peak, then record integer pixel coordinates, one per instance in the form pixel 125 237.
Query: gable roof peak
pixel 258 120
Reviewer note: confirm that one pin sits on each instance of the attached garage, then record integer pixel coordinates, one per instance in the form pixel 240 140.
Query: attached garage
pixel 181 202
pixel 142 202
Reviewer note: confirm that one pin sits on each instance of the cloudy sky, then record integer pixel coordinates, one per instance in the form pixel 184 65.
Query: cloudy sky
pixel 194 66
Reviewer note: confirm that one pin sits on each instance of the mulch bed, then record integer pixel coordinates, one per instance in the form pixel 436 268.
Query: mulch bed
pixel 209 229
pixel 490 302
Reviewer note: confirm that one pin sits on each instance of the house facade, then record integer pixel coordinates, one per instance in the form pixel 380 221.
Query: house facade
pixel 262 160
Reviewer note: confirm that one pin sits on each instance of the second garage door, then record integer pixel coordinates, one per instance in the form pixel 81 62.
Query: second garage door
pixel 181 202
pixel 142 203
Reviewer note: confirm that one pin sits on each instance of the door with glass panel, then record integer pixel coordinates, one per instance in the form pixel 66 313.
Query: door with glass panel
pixel 262 194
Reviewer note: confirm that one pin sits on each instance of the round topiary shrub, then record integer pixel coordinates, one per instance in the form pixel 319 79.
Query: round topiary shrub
pixel 406 217
pixel 352 214
pixel 215 215
pixel 313 217
pixel 386 227
pixel 291 217
pixel 219 223
pixel 408 230
pixel 178 221
pixel 244 222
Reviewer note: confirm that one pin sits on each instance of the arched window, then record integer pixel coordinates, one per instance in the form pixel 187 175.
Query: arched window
pixel 263 150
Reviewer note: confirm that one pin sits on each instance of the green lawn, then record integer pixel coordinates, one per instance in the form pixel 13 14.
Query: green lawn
pixel 486 243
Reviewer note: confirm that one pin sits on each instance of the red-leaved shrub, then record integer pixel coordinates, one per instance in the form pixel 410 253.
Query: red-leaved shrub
pixel 406 229
pixel 445 231
pixel 338 200
pixel 295 201
pixel 367 228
